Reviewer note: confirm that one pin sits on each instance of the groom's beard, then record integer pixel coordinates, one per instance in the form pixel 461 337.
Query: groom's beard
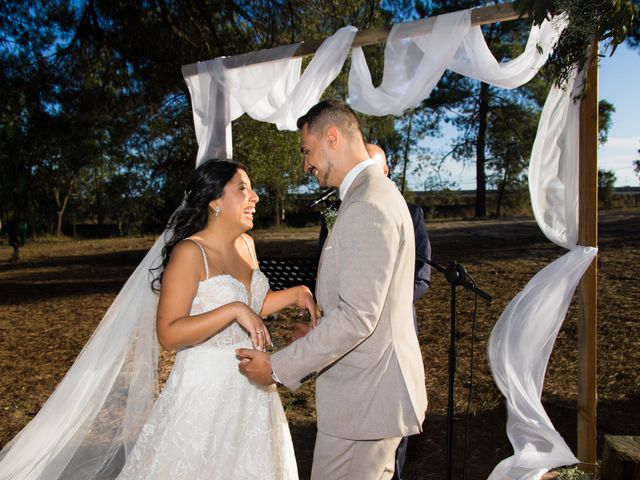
pixel 323 180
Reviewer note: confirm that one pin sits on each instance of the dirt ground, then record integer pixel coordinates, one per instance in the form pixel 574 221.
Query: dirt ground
pixel 53 299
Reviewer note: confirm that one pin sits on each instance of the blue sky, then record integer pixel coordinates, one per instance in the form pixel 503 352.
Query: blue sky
pixel 618 76
pixel 617 84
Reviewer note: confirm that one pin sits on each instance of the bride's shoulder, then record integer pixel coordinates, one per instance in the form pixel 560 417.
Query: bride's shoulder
pixel 187 249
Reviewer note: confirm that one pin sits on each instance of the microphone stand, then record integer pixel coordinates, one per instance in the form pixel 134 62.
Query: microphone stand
pixel 456 275
pixel 324 196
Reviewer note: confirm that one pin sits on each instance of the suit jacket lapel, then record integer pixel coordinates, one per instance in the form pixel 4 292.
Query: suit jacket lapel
pixel 360 178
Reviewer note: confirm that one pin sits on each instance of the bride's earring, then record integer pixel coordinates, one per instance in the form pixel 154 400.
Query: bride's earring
pixel 216 209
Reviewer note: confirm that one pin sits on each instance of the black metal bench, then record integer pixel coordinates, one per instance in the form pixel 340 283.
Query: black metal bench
pixel 289 272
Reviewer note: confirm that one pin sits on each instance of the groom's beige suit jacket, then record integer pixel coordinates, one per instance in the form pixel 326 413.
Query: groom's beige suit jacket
pixel 370 377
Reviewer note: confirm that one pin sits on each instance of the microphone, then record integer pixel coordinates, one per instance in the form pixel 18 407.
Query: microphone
pixel 323 197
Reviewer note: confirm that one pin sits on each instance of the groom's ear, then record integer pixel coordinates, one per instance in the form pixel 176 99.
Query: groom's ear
pixel 332 137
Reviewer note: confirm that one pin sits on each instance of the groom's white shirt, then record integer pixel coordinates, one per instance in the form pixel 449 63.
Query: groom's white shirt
pixel 351 176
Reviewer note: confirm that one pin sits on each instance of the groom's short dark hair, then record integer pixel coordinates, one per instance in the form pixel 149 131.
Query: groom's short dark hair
pixel 331 112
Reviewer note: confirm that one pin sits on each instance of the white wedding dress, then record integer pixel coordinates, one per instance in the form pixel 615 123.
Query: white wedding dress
pixel 210 422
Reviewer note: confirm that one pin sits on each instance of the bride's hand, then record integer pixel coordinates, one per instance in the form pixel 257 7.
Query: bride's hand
pixel 306 304
pixel 254 325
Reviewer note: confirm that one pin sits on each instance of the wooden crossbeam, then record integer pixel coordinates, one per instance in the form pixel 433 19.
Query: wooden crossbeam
pixel 479 16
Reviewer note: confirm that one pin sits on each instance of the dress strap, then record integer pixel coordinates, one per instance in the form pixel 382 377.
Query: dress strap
pixel 204 257
pixel 255 261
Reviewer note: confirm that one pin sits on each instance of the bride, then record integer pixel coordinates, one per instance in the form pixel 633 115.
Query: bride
pixel 209 421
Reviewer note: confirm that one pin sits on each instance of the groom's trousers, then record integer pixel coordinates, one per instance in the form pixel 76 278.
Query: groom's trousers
pixel 340 459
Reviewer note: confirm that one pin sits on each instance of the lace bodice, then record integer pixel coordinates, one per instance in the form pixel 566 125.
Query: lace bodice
pixel 222 289
pixel 219 290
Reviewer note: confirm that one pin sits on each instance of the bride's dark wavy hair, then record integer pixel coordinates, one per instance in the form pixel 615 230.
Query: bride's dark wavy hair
pixel 207 183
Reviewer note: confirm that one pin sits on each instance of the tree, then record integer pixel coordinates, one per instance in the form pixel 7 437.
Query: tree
pixel 25 112
pixel 156 41
pixel 605 111
pixel 274 162
pixel 608 21
pixel 510 145
pixel 483 114
pixel 636 164
pixel 606 186
pixel 633 40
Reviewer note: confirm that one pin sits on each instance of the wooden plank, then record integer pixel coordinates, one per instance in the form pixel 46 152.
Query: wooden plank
pixel 493 14
pixel 587 290
pixel 620 458
pixel 372 36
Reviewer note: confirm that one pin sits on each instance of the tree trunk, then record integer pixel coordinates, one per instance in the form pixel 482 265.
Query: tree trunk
pixel 14 240
pixel 59 222
pixel 406 153
pixel 481 179
pixel 500 196
pixel 501 190
pixel 277 209
pixel 61 206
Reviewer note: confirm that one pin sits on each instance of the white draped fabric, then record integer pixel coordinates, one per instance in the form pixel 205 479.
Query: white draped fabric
pixel 91 421
pixel 414 61
pixel 413 64
pixel 88 424
pixel 521 341
pixel 271 91
pixel 475 60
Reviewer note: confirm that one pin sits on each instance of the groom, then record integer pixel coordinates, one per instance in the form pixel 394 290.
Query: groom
pixel 370 386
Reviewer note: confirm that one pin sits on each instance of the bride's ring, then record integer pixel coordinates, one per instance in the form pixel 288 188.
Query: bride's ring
pixel 260 332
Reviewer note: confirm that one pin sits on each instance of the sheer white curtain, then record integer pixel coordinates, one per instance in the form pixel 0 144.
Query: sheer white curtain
pixel 92 419
pixel 413 64
pixel 414 61
pixel 271 91
pixel 521 341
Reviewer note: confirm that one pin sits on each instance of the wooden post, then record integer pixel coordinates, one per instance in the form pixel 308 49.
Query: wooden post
pixel 587 290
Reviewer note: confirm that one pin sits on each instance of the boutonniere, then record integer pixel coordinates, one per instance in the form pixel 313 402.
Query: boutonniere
pixel 330 214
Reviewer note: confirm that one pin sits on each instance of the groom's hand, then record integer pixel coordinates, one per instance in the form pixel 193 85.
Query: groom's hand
pixel 255 365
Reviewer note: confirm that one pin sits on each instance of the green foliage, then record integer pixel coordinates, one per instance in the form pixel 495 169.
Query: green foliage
pixel 95 117
pixel 606 187
pixel 438 198
pixel 94 103
pixel 574 473
pixel 636 165
pixel 633 40
pixel 273 160
pixel 608 21
pixel 605 111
